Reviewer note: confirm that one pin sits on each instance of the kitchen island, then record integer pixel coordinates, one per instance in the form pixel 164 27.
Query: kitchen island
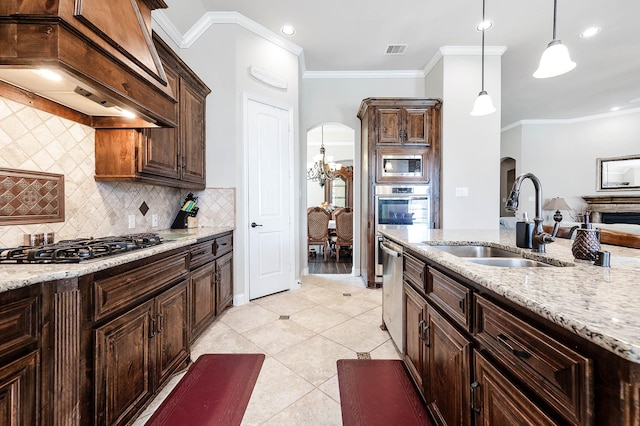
pixel 564 338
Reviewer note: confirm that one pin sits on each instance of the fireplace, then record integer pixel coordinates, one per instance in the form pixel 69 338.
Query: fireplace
pixel 614 209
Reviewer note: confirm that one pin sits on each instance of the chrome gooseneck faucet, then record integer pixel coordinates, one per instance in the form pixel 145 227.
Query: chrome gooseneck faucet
pixel 540 238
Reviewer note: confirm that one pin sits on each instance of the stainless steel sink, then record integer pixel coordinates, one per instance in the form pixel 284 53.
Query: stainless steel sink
pixel 478 251
pixel 507 262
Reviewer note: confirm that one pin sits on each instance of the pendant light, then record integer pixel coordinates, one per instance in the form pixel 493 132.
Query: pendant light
pixel 483 104
pixel 555 60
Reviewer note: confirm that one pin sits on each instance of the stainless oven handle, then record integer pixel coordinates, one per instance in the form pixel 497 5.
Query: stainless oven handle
pixel 403 198
pixel 390 252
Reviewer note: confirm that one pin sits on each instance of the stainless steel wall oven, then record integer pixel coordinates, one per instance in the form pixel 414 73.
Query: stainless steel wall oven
pixel 399 206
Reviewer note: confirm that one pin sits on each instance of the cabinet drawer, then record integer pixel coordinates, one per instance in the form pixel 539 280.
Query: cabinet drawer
pixel 131 287
pixel 201 253
pixel 223 245
pixel 554 372
pixel 18 324
pixel 453 297
pixel 414 271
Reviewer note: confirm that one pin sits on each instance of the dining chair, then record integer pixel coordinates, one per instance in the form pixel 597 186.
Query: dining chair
pixel 344 230
pixel 318 228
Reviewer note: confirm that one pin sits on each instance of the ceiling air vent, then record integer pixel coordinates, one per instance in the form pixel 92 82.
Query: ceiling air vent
pixel 396 49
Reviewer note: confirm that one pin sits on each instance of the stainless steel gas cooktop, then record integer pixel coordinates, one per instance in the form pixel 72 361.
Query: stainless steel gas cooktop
pixel 74 251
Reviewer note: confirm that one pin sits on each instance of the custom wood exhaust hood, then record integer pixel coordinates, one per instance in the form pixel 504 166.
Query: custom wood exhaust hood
pixel 104 52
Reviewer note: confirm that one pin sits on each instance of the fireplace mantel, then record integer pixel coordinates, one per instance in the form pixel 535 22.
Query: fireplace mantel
pixel 599 204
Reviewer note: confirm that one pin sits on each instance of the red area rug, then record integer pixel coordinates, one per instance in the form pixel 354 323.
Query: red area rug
pixel 215 391
pixel 378 392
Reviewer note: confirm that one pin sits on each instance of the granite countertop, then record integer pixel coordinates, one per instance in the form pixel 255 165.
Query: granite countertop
pixel 596 303
pixel 21 275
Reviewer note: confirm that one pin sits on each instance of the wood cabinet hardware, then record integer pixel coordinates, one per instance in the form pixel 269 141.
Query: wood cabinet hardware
pixel 504 339
pixel 474 386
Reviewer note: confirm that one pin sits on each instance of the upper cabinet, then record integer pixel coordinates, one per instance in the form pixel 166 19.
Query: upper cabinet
pixel 403 126
pixel 162 156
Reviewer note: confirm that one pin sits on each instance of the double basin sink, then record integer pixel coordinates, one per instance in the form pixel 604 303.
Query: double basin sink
pixel 491 256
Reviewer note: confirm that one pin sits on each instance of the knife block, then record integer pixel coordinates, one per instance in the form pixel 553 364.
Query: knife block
pixel 181 220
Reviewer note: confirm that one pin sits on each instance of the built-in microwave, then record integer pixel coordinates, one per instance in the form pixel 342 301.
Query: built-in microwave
pixel 402 165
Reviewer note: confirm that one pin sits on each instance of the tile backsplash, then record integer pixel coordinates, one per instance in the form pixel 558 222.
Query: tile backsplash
pixel 34 140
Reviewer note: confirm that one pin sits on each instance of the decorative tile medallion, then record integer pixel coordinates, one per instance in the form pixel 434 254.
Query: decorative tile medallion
pixel 30 197
pixel 363 355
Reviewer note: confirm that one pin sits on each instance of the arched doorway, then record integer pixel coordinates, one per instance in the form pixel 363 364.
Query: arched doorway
pixel 338 141
pixel 507 177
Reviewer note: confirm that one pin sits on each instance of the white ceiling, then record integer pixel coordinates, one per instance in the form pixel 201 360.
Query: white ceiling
pixel 352 35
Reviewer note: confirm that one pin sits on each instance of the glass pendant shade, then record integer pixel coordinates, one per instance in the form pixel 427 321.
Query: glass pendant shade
pixel 483 104
pixel 555 60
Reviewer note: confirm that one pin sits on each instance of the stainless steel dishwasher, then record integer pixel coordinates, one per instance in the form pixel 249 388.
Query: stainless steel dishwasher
pixel 392 305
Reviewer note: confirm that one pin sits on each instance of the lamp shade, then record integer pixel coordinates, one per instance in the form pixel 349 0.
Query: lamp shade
pixel 555 60
pixel 556 203
pixel 483 104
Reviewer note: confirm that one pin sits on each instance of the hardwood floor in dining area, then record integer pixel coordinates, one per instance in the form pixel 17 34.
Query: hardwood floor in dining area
pixel 317 265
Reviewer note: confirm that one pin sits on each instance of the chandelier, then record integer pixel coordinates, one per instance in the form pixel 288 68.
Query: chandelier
pixel 323 168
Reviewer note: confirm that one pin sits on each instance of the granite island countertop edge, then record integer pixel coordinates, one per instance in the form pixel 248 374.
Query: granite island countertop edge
pixel 598 304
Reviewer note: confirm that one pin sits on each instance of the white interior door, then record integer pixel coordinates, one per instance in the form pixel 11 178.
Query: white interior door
pixel 270 199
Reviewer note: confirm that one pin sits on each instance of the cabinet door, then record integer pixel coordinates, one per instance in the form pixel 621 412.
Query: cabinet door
pixel 498 402
pixel 224 282
pixel 202 298
pixel 124 354
pixel 414 325
pixel 18 391
pixel 389 126
pixel 192 129
pixel 447 371
pixel 160 147
pixel 416 123
pixel 172 340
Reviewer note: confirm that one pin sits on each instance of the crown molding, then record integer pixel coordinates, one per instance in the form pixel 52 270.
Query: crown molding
pixel 462 51
pixel 572 120
pixel 211 18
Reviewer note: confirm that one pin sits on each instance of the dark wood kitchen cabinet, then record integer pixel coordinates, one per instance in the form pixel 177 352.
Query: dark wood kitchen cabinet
pixel 137 333
pixel 224 282
pixel 137 352
pixel 162 156
pixel 404 125
pixel 211 281
pixel 20 353
pixel 396 125
pixel 438 358
pixel 477 362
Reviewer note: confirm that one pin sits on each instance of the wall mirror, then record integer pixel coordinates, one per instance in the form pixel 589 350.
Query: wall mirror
pixel 339 192
pixel 618 173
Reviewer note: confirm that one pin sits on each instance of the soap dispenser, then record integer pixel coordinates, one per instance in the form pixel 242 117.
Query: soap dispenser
pixel 587 242
pixel 524 232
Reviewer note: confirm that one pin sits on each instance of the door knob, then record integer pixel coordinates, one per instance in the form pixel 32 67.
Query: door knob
pixel 253 224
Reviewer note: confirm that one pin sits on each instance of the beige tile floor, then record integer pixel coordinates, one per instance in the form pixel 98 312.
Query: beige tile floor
pixel 330 317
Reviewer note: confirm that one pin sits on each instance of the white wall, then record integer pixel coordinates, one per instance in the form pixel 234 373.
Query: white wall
pixel 221 57
pixel 470 145
pixel 562 154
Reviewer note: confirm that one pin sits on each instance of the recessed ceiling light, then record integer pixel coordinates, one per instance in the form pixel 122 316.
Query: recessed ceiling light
pixel 288 30
pixel 590 32
pixel 615 108
pixel 635 101
pixel 484 25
